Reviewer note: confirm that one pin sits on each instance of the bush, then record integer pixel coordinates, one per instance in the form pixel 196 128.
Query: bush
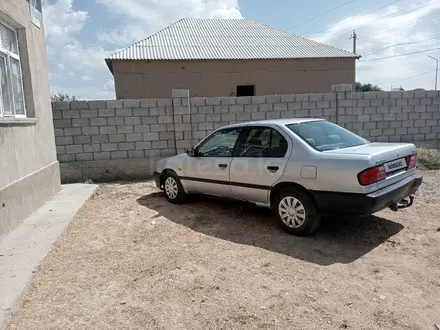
pixel 429 159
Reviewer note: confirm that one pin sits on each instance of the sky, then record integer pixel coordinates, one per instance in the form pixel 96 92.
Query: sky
pixel 80 34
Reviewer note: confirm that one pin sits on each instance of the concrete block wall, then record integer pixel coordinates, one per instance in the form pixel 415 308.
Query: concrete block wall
pixel 110 139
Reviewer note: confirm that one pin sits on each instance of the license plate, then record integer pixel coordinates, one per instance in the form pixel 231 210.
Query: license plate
pixel 395 165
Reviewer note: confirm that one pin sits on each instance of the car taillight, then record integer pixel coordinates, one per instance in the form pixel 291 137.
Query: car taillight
pixel 372 175
pixel 411 161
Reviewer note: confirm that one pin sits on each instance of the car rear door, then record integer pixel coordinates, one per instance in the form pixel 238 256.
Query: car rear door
pixel 259 161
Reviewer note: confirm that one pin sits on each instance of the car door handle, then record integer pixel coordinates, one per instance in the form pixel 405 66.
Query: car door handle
pixel 222 166
pixel 273 169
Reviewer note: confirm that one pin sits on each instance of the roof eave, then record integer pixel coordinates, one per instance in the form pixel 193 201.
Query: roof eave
pixel 109 63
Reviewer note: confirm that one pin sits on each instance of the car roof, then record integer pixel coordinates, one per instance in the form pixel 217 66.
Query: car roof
pixel 287 121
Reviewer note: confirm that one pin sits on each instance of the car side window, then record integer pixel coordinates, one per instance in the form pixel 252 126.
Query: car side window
pixel 262 142
pixel 220 143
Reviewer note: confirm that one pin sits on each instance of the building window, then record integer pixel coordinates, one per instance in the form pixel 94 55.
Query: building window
pixel 246 90
pixel 11 83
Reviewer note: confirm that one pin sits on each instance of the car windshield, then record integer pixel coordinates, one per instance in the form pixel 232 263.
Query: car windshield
pixel 324 135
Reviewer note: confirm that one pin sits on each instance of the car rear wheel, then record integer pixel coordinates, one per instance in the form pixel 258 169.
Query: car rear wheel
pixel 173 188
pixel 296 212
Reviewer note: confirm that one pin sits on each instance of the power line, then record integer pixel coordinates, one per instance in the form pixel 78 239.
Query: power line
pixel 399 44
pixel 417 75
pixel 322 14
pixel 358 16
pixel 399 55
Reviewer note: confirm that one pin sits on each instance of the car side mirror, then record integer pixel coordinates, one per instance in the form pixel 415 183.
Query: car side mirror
pixel 191 152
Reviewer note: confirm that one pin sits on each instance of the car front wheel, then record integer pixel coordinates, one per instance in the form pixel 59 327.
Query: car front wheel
pixel 173 188
pixel 296 212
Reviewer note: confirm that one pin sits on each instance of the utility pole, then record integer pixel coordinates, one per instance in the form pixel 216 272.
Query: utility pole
pixel 354 37
pixel 436 70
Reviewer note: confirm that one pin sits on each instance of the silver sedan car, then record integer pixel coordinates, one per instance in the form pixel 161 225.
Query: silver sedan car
pixel 300 168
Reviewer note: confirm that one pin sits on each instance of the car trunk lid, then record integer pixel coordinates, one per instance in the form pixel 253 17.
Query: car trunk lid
pixel 391 155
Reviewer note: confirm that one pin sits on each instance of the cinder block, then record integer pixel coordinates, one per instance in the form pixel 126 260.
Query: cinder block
pixel 198 118
pixel 208 101
pixel 131 103
pixel 426 115
pixel 160 144
pixel 101 155
pixel 100 138
pixel 165 119
pixel 143 145
pixel 377 117
pixel 280 106
pixel 126 146
pixel 177 102
pixel 258 116
pixel 117 138
pixel 389 102
pixel 430 122
pixel 236 108
pixel 88 113
pixel 118 155
pixel 63 140
pixel 57 114
pixel 316 97
pixel 139 112
pixel 389 131
pixel 166 135
pixel 181 144
pixel 133 137
pixel 273 98
pixel 228 100
pixel 113 104
pixel 395 95
pixel 84 157
pixel 181 110
pixel 395 138
pixel 96 104
pixel 124 129
pixel 243 116
pixel 158 128
pixel 60 150
pixel 200 101
pixel 273 115
pixel 265 107
pixel 413 130
pixel 323 104
pixel 408 94
pixel 408 123
pixel 425 130
pixel 359 103
pixel 396 109
pixel 383 138
pixel 62 123
pixel 149 120
pixel 419 137
pixel 221 109
pixel 294 106
pixel 316 113
pixel 76 105
pixel 109 146
pixel 329 96
pixel 302 113
pixel 132 121
pixel 72 131
pixel 80 122
pixel 229 117
pixel 66 158
pixel 395 124
pixel 206 126
pixel 136 153
pixel 107 130
pixel 163 103
pixel 115 121
pixel 329 112
pixel 180 93
pixel 401 102
pixel 369 125
pixel 59 132
pixel 426 101
pixel 414 102
pixel 390 117
pixel 258 99
pixel 98 121
pixel 420 108
pixel 432 108
pixel 301 97
pixel 148 103
pixel 68 114
pixel 287 114
pixel 60 105
pixel 106 112
pixel 288 98
pixel 74 149
pixel 376 103
pixel 414 115
pixel 431 136
pixel 251 108
pixel 81 139
pixel 93 147
pixel 125 112
pixel 363 118
pixel 154 136
pixel 342 88
pixel 419 94
pixel 376 132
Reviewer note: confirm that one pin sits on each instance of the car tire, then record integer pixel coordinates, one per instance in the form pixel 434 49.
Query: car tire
pixel 173 188
pixel 296 212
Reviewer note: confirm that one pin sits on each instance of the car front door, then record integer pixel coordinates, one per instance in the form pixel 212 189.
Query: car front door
pixel 261 155
pixel 207 171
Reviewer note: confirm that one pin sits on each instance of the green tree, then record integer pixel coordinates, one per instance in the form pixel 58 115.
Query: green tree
pixel 367 87
pixel 62 97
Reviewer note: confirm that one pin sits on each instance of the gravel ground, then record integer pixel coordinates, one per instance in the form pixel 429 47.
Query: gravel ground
pixel 131 260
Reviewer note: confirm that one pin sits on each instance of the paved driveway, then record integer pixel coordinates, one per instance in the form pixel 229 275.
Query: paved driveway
pixel 131 260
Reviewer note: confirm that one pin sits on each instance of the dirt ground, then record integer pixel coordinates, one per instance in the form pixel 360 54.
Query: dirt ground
pixel 131 260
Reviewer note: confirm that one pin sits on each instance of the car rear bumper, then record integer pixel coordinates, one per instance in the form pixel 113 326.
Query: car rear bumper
pixel 331 202
pixel 157 179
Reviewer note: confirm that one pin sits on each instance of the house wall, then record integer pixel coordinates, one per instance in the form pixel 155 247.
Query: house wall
pixel 29 170
pixel 123 139
pixel 154 79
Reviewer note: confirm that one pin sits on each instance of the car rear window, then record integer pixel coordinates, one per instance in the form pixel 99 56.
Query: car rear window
pixel 324 135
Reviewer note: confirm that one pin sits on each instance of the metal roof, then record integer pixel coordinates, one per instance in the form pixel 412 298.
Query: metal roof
pixel 225 39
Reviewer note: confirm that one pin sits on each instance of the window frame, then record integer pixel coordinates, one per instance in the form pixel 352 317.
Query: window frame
pixel 8 54
pixel 209 137
pixel 245 134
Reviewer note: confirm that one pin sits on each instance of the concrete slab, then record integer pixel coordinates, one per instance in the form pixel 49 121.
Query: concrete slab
pixel 25 247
